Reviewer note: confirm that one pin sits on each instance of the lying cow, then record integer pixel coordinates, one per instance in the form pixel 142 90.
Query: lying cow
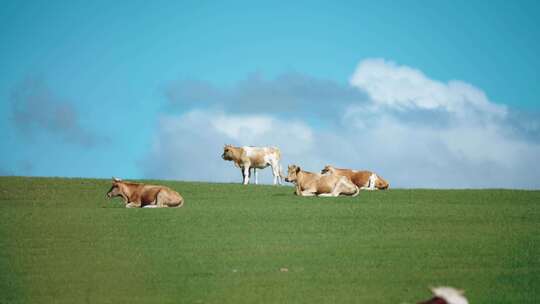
pixel 446 295
pixel 366 180
pixel 138 195
pixel 246 158
pixel 328 184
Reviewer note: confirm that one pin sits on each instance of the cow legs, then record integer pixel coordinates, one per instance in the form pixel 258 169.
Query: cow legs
pixel 357 190
pixel 297 190
pixel 307 193
pixel 256 177
pixel 165 199
pixel 132 205
pixel 344 186
pixel 246 175
pixel 348 187
pixel 336 191
pixel 277 175
pixel 161 200
pixel 328 194
pixel 276 172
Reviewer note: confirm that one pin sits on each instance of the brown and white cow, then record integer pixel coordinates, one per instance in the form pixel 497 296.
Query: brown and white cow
pixel 246 158
pixel 328 184
pixel 138 195
pixel 446 295
pixel 366 180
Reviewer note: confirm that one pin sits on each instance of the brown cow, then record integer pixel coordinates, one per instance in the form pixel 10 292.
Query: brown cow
pixel 366 180
pixel 138 195
pixel 247 157
pixel 310 184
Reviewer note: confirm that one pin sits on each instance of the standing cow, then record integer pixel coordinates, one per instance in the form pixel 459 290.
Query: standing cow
pixel 366 180
pixel 246 158
pixel 138 195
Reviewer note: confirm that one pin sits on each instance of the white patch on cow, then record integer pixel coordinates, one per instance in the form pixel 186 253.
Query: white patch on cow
pixel 150 206
pixel 371 182
pixel 450 295
pixel 268 158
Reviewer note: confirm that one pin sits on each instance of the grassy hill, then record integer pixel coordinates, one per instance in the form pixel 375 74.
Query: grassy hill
pixel 62 241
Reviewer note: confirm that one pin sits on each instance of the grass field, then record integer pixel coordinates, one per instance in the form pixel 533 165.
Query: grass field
pixel 61 241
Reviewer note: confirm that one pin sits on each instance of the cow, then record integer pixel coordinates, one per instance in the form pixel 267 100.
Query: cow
pixel 446 295
pixel 246 158
pixel 366 180
pixel 137 195
pixel 328 184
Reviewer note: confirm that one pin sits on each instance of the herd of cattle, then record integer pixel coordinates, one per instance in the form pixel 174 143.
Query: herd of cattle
pixel 330 182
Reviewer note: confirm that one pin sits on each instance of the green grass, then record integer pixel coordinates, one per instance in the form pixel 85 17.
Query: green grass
pixel 61 241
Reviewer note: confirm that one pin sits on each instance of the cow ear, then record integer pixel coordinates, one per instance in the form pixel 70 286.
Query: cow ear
pixel 297 169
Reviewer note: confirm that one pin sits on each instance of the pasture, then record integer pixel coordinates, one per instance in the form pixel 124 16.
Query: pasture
pixel 62 241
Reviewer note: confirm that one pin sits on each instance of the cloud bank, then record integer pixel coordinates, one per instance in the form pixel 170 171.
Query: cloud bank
pixel 413 130
pixel 36 109
pixel 283 95
pixel 405 88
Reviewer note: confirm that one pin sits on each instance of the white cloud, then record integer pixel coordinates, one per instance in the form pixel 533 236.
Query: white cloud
pixel 414 131
pixel 403 87
pixel 451 133
pixel 249 127
pixel 458 155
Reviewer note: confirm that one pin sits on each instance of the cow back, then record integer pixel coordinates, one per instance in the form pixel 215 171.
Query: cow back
pixel 146 194
pixel 326 182
pixel 258 156
pixel 149 194
pixel 361 178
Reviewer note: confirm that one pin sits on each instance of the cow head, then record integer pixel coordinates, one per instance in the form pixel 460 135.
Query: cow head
pixel 228 152
pixel 115 188
pixel 292 173
pixel 327 169
pixel 381 184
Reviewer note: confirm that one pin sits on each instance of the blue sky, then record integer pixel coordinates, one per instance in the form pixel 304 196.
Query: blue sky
pixel 134 89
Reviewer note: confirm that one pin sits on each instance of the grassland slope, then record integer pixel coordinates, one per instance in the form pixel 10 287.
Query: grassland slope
pixel 62 241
